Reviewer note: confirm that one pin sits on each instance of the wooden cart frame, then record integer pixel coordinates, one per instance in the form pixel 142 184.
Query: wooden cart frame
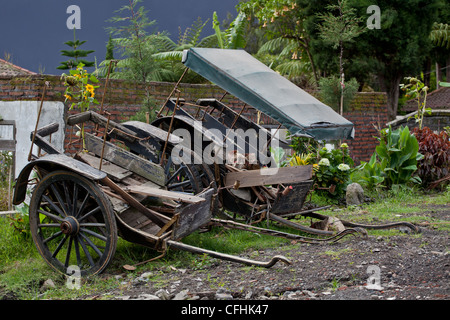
pixel 127 182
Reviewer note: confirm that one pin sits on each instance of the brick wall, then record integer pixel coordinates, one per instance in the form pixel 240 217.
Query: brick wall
pixel 123 99
pixel 368 112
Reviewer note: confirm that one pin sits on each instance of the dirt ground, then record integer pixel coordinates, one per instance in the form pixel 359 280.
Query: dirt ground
pixel 399 266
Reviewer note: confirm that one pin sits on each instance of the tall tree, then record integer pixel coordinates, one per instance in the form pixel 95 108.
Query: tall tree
pixel 137 49
pixel 338 29
pixel 75 54
pixel 133 42
pixel 284 19
pixel 402 43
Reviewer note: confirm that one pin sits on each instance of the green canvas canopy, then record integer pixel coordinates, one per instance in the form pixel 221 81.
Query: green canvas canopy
pixel 254 83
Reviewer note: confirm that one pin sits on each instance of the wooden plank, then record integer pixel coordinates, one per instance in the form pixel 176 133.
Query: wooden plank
pixel 269 176
pixel 164 194
pixel 126 159
pixel 193 216
pixel 7 145
pixel 48 129
pixel 121 131
pixel 4 213
pixel 145 130
pixel 116 172
pixel 156 217
pixel 45 145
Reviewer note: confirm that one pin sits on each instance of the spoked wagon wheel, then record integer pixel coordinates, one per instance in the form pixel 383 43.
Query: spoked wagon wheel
pixel 72 223
pixel 180 176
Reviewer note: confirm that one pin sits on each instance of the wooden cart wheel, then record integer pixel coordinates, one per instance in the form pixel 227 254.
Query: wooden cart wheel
pixel 72 223
pixel 182 177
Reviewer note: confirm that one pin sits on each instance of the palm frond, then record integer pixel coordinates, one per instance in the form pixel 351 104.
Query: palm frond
pixel 274 46
pixel 168 55
pixel 292 68
pixel 210 41
pixel 162 42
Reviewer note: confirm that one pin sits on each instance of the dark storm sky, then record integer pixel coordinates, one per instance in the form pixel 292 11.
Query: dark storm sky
pixel 32 32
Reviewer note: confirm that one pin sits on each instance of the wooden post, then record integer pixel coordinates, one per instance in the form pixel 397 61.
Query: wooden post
pixel 173 91
pixel 170 129
pixel 37 120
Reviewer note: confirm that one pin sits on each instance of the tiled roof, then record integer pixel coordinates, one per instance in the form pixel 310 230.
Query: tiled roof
pixel 9 69
pixel 437 99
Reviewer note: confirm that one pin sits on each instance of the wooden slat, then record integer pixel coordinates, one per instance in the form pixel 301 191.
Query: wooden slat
pixel 269 176
pixel 164 194
pixel 45 145
pixel 144 130
pixel 7 145
pixel 193 216
pixel 125 159
pixel 116 172
pixel 156 217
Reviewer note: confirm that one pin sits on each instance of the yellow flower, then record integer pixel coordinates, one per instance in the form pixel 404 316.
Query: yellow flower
pixel 90 89
pixel 68 97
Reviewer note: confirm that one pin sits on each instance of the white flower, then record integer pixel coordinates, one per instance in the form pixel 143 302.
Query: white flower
pixel 324 162
pixel 343 167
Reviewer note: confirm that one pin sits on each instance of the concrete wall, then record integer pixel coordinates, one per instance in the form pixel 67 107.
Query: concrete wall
pixel 25 114
pixel 436 121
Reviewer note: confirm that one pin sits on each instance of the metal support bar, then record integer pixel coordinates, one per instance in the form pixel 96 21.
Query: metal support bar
pixel 228 257
pixel 173 91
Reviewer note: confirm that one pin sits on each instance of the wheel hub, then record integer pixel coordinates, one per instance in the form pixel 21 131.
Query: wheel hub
pixel 70 226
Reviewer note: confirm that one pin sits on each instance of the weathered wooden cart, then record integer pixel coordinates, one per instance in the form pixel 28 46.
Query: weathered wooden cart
pixel 80 204
pixel 150 183
pixel 254 188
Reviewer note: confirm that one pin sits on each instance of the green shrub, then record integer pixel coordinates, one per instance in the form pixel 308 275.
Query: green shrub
pixel 330 92
pixel 435 148
pixel 395 159
pixel 372 174
pixel 332 173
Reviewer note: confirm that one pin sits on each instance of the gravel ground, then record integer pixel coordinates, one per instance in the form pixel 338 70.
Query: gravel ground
pixel 401 266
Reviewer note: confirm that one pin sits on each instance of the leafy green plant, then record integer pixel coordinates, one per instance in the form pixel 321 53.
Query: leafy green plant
pixel 6 160
pixel 372 173
pixel 331 89
pixel 398 152
pixel 302 159
pixel 80 90
pixel 332 173
pixel 234 36
pixel 21 222
pixel 303 144
pixel 278 155
pixel 416 89
pixel 440 35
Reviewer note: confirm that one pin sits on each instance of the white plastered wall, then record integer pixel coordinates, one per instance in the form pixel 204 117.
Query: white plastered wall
pixel 25 114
